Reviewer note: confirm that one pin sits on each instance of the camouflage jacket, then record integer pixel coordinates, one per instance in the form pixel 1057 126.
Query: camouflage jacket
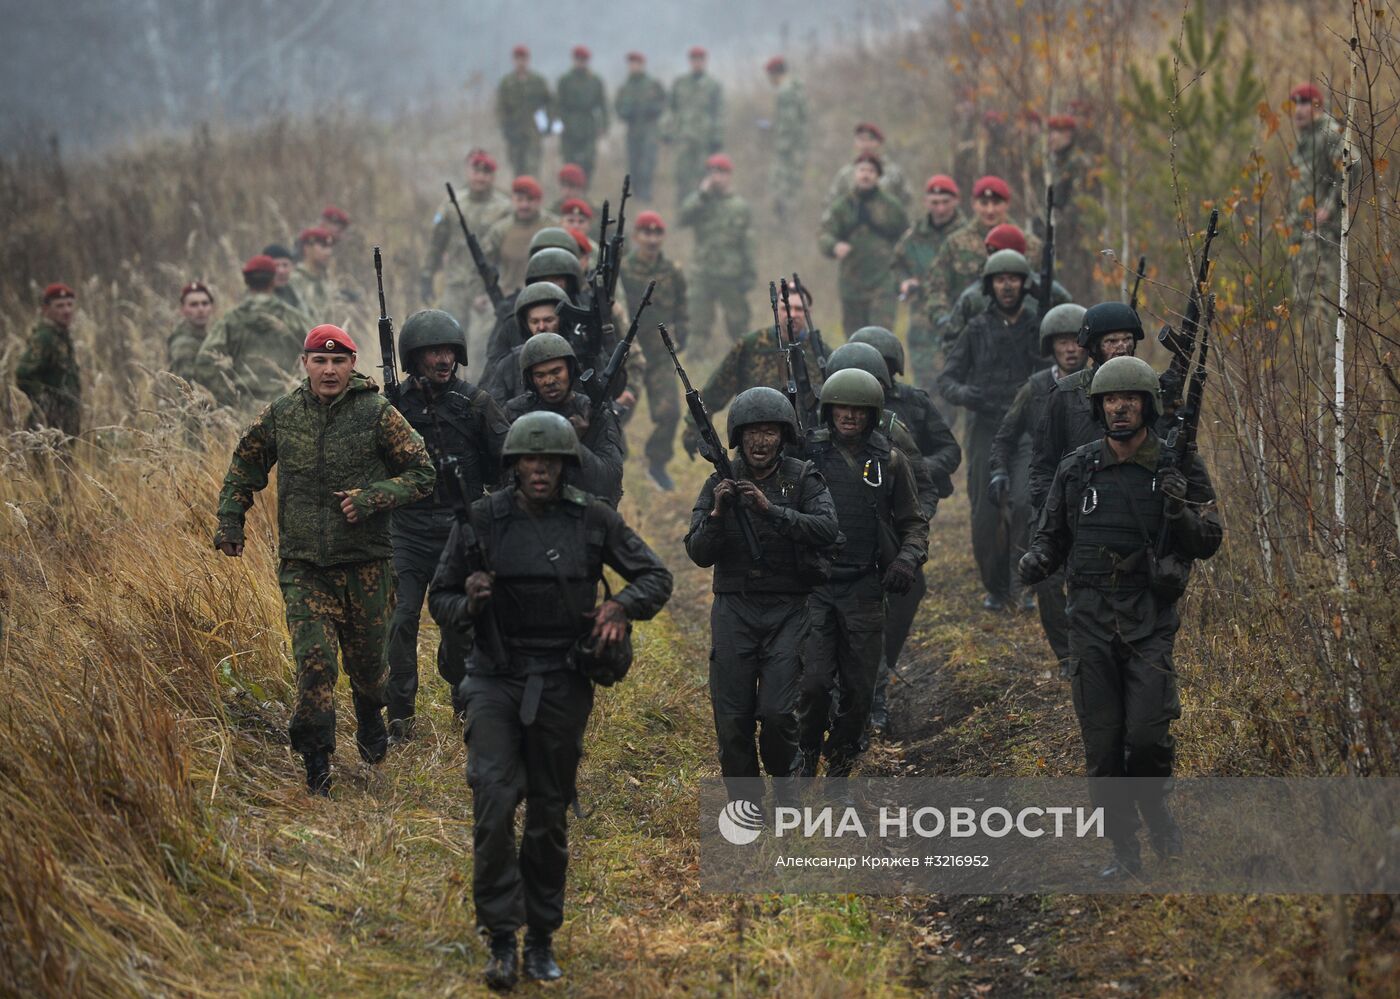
pixel 790 121
pixel 915 252
pixel 251 352
pixel 314 292
pixel 756 360
pixel 973 301
pixel 667 301
pixel 582 103
pixel 723 241
pixel 507 245
pixel 357 443
pixel 447 249
pixel 696 115
pixel 640 101
pixel 1317 166
pixel 872 224
pixel 517 100
pixel 183 346
pixel 958 263
pixel 892 182
pixel 48 368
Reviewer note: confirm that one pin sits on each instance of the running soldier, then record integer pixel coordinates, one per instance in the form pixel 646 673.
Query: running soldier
pixel 724 268
pixel 582 103
pixel 913 255
pixel 524 109
pixel 859 230
pixel 694 124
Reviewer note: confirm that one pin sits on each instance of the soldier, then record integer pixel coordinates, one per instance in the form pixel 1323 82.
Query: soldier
pixel 870 141
pixel 1107 508
pixel 253 349
pixel 694 123
pixel 859 230
pixel 1059 338
pixel 576 216
pixel 507 242
pixel 522 576
pixel 196 309
pixel 550 372
pixel 990 362
pixel 959 260
pixel 458 422
pixel 582 104
pixel 1074 179
pixel 463 294
pixel 536 311
pixel 640 102
pixel 759 617
pixel 506 334
pixel 972 302
pixel 282 280
pixel 310 280
pixel 643 263
pixel 573 186
pixel 338 477
pixel 886 541
pixel 335 221
pixel 524 110
pixel 789 136
pixel 47 371
pixel 1315 205
pixel 724 268
pixel 912 256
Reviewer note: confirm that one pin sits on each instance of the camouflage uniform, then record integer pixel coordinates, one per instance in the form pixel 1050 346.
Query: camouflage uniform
pixel 1073 178
pixel 447 250
pixel 183 346
pixel 754 361
pixel 582 104
pixel 288 294
pixel 47 372
pixel 668 305
pixel 251 352
pixel 724 268
pixel 959 262
pixel 695 125
pixel 507 245
pixel 640 102
pixel 892 182
pixel 313 290
pixel 335 576
pixel 789 144
pixel 912 256
pixel 1317 162
pixel 517 100
pixel 872 223
pixel 973 301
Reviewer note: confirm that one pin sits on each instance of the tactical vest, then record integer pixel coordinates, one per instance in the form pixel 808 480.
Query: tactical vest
pixel 786 565
pixel 1117 520
pixel 452 434
pixel 861 495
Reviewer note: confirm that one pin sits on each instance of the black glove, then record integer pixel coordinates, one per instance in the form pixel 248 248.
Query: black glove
pixel 1173 486
pixel 899 577
pixel 943 483
pixel 970 397
pixel 1033 567
pixel 998 489
pixel 425 288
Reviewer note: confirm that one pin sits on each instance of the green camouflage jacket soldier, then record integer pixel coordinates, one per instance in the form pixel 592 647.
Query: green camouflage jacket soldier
pixel 313 290
pixel 958 263
pixel 447 249
pixel 640 102
pixel 251 352
pixel 914 253
pixel 892 182
pixel 789 140
pixel 183 347
pixel 520 95
pixel 694 123
pixel 582 104
pixel 668 305
pixel 1317 181
pixel 724 269
pixel 47 372
pixel 870 221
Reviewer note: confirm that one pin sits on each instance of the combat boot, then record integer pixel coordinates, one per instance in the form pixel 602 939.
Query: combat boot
pixel 318 773
pixel 502 969
pixel 400 731
pixel 656 471
pixel 1126 863
pixel 540 965
pixel 1163 831
pixel 371 737
pixel 811 760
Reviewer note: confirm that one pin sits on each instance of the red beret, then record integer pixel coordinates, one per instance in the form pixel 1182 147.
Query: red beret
pixel 635 56
pixel 58 290
pixel 316 234
pixel 870 129
pixel 578 205
pixel 337 215
pixel 1006 237
pixel 1062 123
pixel 719 161
pixel 873 160
pixel 581 52
pixel 1305 93
pixel 698 52
pixel 650 220
pixel 481 158
pixel 581 238
pixel 328 339
pixel 527 186
pixel 260 264
pixel 193 287
pixel 520 50
pixel 993 187
pixel 941 183
pixel 776 65
pixel 994 117
pixel 573 175
pixel 1030 115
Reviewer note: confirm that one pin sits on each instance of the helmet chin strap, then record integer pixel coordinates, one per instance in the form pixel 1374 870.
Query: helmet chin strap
pixel 1124 435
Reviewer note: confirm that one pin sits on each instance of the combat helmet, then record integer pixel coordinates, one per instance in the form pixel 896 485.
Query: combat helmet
pixel 1126 374
pixel 761 405
pixel 546 347
pixel 885 342
pixel 553 237
pixel 552 262
pixel 1004 262
pixel 535 294
pixel 540 432
pixel 431 328
pixel 1108 317
pixel 853 387
pixel 860 357
pixel 1061 320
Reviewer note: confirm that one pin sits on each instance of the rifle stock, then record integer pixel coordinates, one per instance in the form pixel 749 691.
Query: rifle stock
pixel 490 276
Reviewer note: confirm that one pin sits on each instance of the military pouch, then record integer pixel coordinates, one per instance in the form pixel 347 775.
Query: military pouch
pixel 1169 575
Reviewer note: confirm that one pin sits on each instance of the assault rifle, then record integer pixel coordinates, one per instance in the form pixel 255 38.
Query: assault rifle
pixel 797 357
pixel 386 335
pixel 814 336
pixel 596 320
pixel 791 391
pixel 490 276
pixel 603 394
pixel 712 447
pixel 610 262
pixel 1181 438
pixel 1047 255
pixel 1137 282
pixel 1182 342
pixel 453 473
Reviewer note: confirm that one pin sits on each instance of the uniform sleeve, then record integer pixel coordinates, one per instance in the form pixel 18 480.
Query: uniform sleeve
pixel 680 312
pixel 602 463
pixel 253 458
pixel 937 285
pixel 813 522
pixel 723 383
pixel 748 273
pixel 910 524
pixel 900 263
pixel 649 582
pixel 951 381
pixel 924 487
pixel 447 597
pixel 1053 534
pixel 693 209
pixel 1047 448
pixel 1197 533
pixel 437 245
pixel 835 228
pixel 938 445
pixel 703 538
pixel 35 362
pixel 494 425
pixel 406 456
pixel 1008 435
pixel 213 365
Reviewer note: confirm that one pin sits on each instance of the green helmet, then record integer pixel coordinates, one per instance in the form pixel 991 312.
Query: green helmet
pixel 1059 321
pixel 540 432
pixel 1126 374
pixel 885 342
pixel 551 262
pixel 1004 262
pixel 536 294
pixel 862 357
pixel 546 347
pixel 853 387
pixel 431 328
pixel 761 405
pixel 553 236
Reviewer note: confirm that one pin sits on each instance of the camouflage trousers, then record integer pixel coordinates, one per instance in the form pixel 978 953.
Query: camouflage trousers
pixel 524 151
pixel 345 605
pixel 1316 273
pixel 925 352
pixel 690 159
pixel 58 410
pixel 785 182
pixel 580 149
pixel 708 297
pixel 641 160
pixel 663 401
